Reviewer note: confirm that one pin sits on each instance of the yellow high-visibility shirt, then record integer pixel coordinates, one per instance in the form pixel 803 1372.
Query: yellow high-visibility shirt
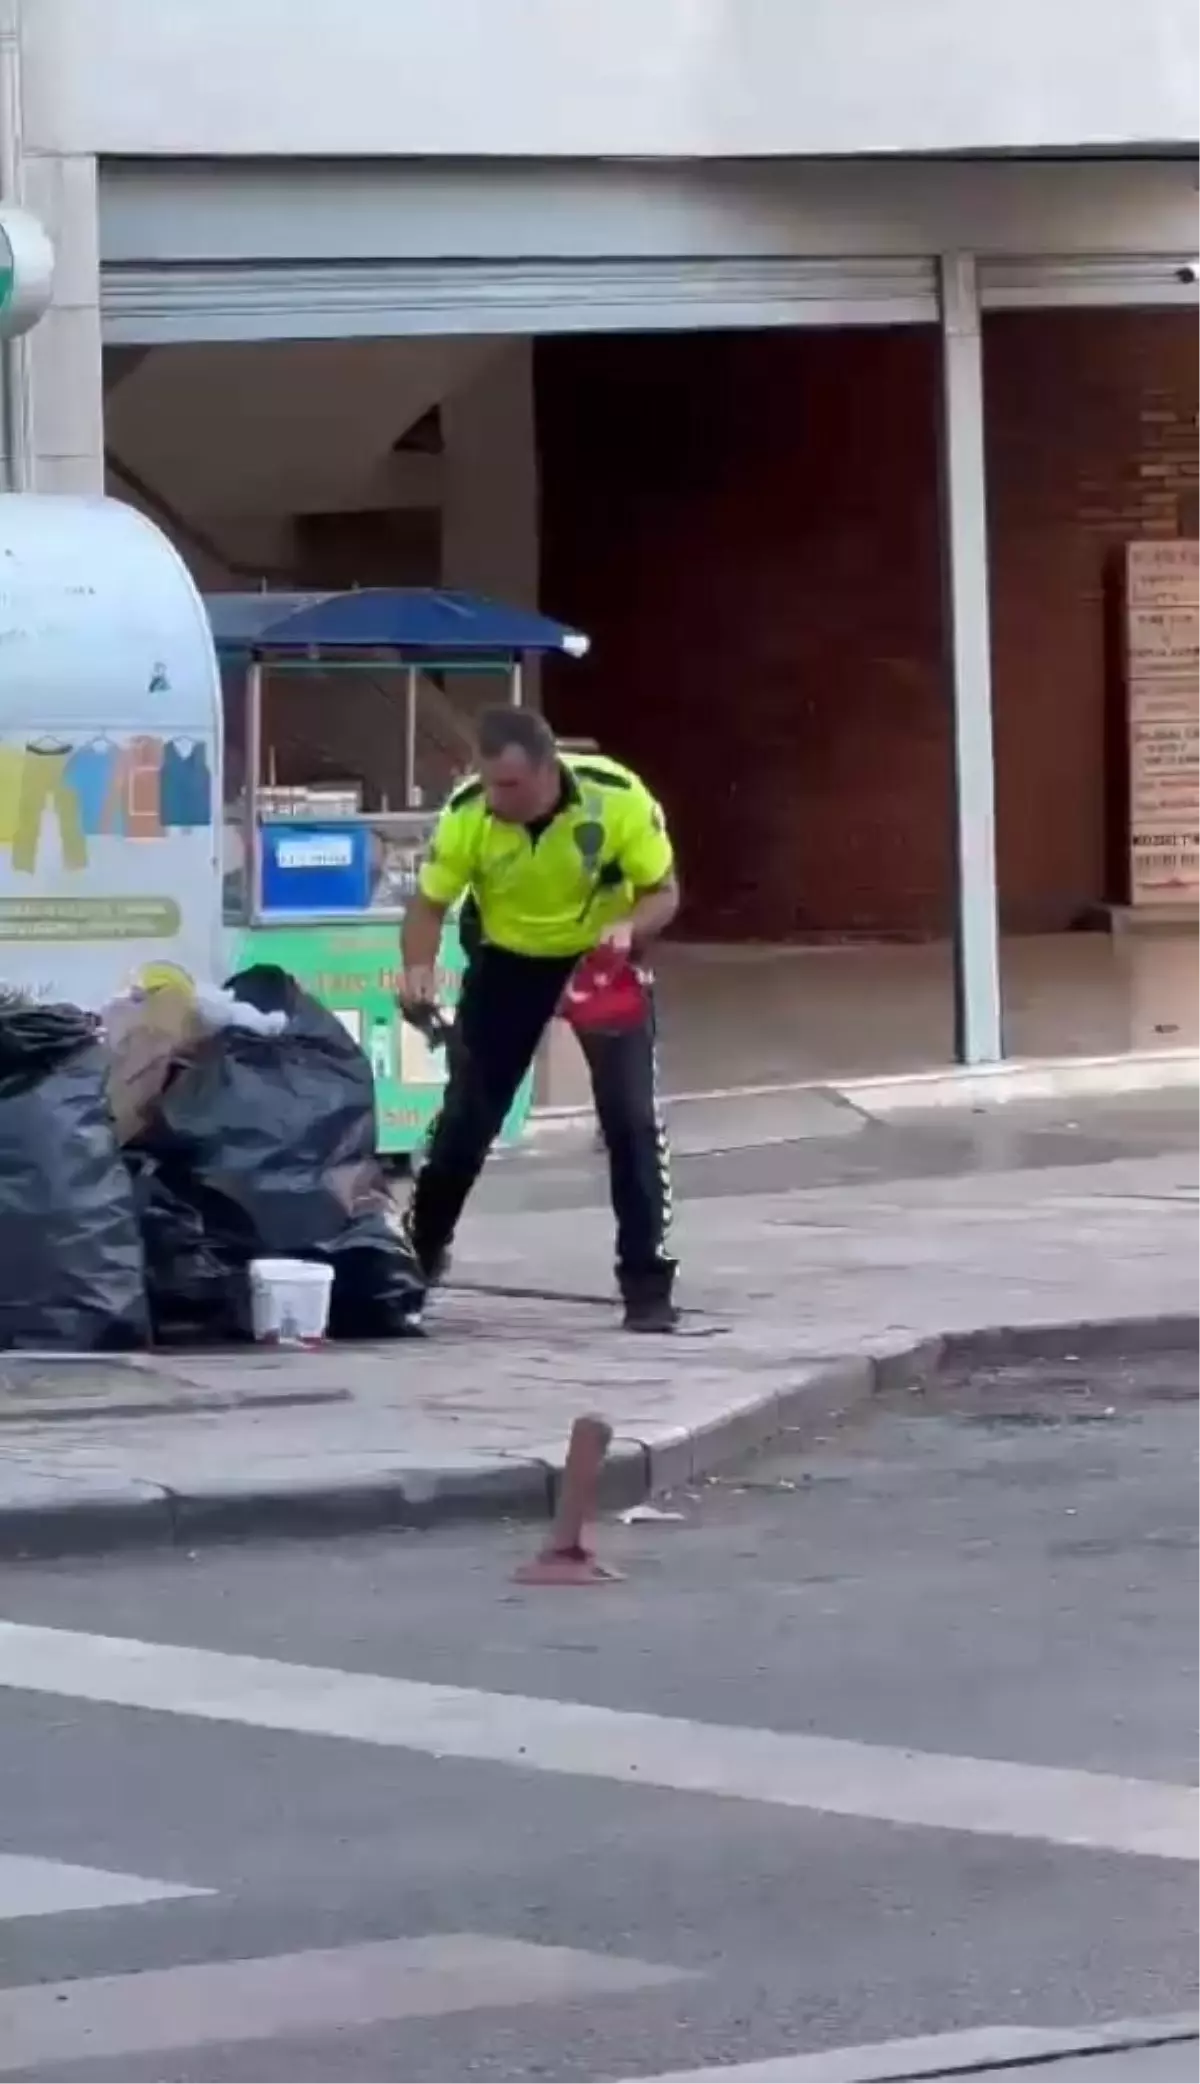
pixel 553 890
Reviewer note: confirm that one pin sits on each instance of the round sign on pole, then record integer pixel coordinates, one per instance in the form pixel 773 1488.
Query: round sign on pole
pixel 26 271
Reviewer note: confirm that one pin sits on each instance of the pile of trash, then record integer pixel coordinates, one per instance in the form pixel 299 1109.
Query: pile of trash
pixel 150 1155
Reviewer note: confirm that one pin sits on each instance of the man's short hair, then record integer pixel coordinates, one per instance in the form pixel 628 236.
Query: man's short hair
pixel 510 729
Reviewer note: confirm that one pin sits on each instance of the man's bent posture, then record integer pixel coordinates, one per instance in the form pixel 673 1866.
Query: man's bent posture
pixel 559 854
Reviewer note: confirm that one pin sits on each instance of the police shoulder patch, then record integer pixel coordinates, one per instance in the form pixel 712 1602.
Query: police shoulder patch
pixel 605 777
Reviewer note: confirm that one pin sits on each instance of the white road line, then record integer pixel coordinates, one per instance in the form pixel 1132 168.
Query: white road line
pixel 945 2054
pixel 32 1888
pixel 291 1995
pixel 993 1797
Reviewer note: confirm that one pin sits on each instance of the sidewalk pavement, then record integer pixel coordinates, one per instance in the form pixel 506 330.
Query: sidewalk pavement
pixel 793 1302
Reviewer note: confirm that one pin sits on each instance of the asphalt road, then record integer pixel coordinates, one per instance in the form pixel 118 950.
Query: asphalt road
pixel 971 1626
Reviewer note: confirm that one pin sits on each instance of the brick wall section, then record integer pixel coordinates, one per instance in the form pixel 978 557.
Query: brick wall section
pixel 747 526
pixel 1091 435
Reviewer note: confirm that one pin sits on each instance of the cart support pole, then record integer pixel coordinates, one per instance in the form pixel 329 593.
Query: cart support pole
pixel 253 782
pixel 410 738
pixel 977 1010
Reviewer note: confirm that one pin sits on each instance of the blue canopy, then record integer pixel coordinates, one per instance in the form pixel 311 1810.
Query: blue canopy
pixel 405 618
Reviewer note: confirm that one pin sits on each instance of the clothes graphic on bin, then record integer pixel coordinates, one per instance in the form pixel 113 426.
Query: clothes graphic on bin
pixel 134 802
pixel 12 766
pixel 186 786
pixel 44 787
pixel 91 770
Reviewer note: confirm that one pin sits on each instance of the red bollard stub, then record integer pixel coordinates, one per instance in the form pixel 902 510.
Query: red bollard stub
pixel 565 1559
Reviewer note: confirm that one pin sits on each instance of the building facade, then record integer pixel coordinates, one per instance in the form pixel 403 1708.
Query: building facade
pixel 818 360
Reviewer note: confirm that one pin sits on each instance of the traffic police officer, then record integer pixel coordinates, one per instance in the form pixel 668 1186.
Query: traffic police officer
pixel 557 854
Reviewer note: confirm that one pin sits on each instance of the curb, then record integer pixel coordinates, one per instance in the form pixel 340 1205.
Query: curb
pixel 57 1518
pixel 1025 1078
pixel 31 1411
pixel 1017 1078
pixel 167 1396
pixel 60 1517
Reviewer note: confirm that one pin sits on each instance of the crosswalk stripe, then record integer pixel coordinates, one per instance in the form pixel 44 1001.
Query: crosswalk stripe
pixel 33 1888
pixel 994 1797
pixel 969 2053
pixel 291 1995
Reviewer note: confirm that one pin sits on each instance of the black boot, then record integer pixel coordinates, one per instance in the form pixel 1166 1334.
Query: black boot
pixel 434 1263
pixel 648 1302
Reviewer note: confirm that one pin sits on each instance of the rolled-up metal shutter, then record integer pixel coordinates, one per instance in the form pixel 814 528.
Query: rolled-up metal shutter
pixel 163 303
pixel 1109 279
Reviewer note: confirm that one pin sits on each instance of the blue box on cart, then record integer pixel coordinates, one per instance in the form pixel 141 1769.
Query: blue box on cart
pixel 315 868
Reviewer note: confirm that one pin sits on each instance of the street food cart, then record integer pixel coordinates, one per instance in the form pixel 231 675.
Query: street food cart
pixel 110 756
pixel 342 742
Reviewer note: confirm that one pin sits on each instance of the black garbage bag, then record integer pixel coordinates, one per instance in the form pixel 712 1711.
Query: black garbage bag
pixel 194 1297
pixel 71 1268
pixel 270 1140
pixel 377 1287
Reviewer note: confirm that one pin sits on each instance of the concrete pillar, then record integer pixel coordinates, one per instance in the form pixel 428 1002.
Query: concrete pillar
pixel 63 352
pixel 978 1038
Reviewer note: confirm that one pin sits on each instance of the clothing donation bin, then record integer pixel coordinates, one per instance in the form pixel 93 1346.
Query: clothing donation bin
pixel 110 756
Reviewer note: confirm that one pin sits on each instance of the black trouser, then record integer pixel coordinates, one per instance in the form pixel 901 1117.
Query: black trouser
pixel 506 1006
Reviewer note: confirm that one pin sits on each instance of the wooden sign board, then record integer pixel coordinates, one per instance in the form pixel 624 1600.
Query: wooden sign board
pixel 1162 653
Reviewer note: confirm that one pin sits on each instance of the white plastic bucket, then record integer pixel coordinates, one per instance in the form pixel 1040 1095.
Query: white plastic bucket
pixel 289 1301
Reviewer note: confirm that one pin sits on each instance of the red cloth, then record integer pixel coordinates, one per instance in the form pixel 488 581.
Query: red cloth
pixel 606 990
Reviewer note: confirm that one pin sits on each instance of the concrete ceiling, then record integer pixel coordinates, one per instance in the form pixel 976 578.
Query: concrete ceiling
pixel 287 427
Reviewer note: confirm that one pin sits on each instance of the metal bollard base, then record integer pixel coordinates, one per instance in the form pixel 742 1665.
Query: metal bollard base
pixel 570 1566
pixel 562 1558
